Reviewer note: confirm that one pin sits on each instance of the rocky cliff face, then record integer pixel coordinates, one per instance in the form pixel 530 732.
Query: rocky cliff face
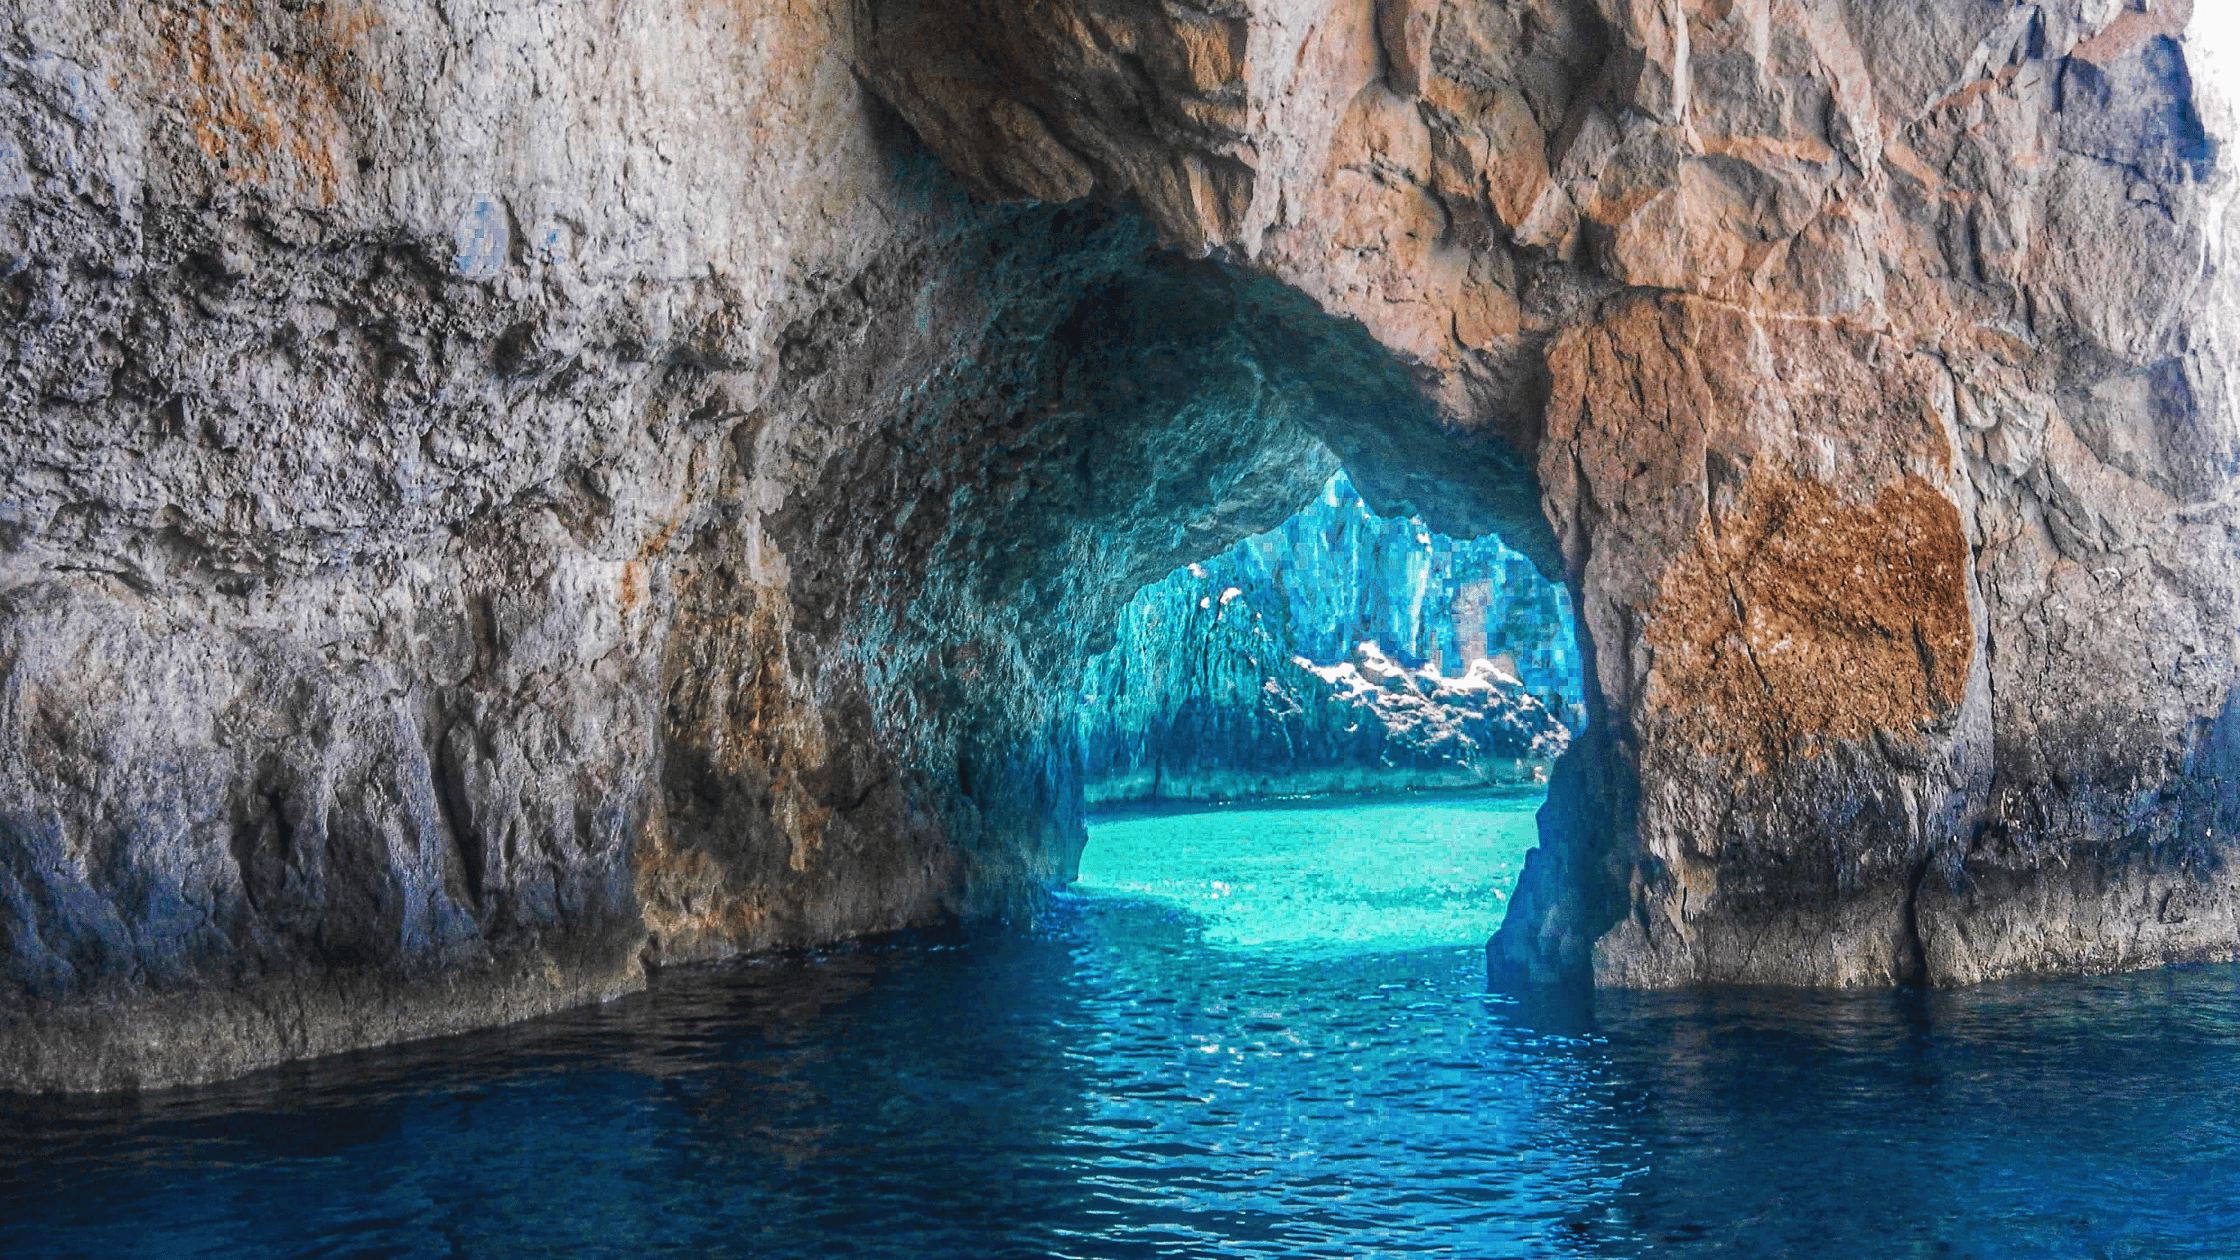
pixel 1870 368
pixel 1343 651
pixel 495 497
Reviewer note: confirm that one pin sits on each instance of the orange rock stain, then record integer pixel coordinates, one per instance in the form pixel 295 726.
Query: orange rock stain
pixel 264 110
pixel 1802 619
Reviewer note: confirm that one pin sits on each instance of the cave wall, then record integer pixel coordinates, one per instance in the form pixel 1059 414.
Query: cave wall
pixel 1336 574
pixel 496 497
pixel 500 499
pixel 1873 362
pixel 1340 652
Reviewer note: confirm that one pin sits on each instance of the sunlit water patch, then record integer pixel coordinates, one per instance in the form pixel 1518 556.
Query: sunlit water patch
pixel 1312 878
pixel 1135 1081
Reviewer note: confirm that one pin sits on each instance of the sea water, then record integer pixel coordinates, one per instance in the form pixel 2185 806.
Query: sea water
pixel 1251 1032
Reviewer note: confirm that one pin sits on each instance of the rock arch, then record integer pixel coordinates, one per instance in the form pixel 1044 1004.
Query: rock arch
pixel 463 546
pixel 1812 317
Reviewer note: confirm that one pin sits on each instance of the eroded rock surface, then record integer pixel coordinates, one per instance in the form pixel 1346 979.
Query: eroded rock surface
pixel 1873 360
pixel 1341 652
pixel 566 507
pixel 494 496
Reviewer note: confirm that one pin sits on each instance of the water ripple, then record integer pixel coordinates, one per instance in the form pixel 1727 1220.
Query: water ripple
pixel 1120 1085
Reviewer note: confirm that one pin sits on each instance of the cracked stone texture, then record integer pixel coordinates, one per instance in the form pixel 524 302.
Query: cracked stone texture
pixel 1341 652
pixel 1869 361
pixel 495 497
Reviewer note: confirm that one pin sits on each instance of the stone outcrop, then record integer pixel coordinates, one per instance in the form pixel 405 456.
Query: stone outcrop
pixel 496 497
pixel 1870 365
pixel 1341 652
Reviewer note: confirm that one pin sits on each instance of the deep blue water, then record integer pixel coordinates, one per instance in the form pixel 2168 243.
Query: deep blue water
pixel 1141 1079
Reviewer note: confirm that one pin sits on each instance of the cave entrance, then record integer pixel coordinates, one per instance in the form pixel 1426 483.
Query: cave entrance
pixel 1074 418
pixel 1340 652
pixel 1331 734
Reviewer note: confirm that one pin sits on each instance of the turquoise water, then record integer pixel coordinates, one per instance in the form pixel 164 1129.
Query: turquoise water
pixel 1307 878
pixel 1159 1072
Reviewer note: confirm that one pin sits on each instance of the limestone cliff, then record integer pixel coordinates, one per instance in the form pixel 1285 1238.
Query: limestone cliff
pixel 1868 363
pixel 495 496
pixel 1341 652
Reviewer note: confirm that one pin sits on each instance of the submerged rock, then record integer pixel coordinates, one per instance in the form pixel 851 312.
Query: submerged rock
pixel 1264 671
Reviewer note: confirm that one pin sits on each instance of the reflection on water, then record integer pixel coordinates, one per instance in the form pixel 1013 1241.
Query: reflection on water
pixel 1117 1085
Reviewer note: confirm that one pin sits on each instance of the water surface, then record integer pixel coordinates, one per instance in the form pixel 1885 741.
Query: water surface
pixel 1308 878
pixel 1297 1066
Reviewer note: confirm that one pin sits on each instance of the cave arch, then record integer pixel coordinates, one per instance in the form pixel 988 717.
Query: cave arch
pixel 1095 410
pixel 1814 465
pixel 662 552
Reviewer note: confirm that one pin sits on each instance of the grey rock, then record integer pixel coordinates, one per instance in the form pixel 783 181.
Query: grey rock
pixel 493 497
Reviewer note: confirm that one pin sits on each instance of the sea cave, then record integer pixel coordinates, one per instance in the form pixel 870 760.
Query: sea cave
pixel 1119 627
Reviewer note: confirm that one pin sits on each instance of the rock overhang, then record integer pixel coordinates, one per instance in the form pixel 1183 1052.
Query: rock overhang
pixel 535 514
